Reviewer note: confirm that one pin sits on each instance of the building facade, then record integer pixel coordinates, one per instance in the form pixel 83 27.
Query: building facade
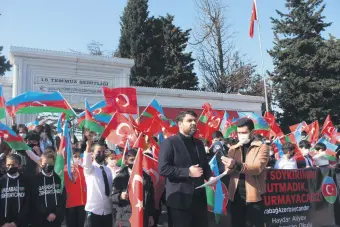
pixel 79 76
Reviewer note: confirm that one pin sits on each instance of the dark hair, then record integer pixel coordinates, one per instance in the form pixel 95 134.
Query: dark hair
pixel 97 144
pixel 182 115
pixel 288 147
pixel 304 133
pixel 14 157
pixel 217 134
pixel 33 136
pixel 23 127
pixel 258 137
pixel 50 149
pixel 130 153
pixel 49 155
pixel 76 150
pixel 246 122
pixel 321 146
pixel 304 144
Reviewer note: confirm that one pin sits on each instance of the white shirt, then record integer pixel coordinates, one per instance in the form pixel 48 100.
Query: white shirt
pixel 284 163
pixel 97 202
pixel 320 159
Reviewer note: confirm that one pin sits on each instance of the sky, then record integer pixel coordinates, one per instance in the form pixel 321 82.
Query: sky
pixel 66 25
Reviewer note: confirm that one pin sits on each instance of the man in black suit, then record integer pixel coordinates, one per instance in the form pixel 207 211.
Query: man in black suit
pixel 182 160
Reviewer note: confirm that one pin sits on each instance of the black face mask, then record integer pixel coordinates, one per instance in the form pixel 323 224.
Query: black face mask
pixel 130 166
pixel 99 158
pixel 12 170
pixel 48 168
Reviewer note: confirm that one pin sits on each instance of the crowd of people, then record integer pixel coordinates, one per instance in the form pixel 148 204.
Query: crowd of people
pixel 33 194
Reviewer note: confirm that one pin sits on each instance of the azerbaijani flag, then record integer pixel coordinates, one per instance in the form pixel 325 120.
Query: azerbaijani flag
pixel 89 121
pixel 331 149
pixel 37 102
pixel 228 125
pixel 260 123
pixel 102 112
pixel 154 108
pixel 329 190
pixel 2 104
pixel 13 140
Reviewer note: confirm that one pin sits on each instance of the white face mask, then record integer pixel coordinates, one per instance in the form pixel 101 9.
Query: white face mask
pixel 244 138
pixel 77 161
pixel 305 151
pixel 23 135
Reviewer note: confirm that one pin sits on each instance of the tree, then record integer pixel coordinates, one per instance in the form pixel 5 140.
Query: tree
pixel 4 64
pixel 223 69
pixel 133 42
pixel 178 65
pixel 95 48
pixel 158 48
pixel 306 77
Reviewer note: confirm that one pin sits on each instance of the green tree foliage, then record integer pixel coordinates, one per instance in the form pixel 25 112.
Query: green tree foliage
pixel 158 48
pixel 4 64
pixel 306 76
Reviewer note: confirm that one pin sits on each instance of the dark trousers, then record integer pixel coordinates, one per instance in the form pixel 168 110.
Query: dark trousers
pixel 195 216
pixel 99 220
pixel 245 214
pixel 50 224
pixel 75 216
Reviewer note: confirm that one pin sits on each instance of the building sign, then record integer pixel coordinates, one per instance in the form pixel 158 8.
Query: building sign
pixel 72 90
pixel 72 81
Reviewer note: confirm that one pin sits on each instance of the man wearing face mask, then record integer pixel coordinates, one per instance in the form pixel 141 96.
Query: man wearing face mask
pixel 98 179
pixel 287 161
pixel 307 162
pixel 183 161
pixel 246 163
pixel 120 196
pixel 14 195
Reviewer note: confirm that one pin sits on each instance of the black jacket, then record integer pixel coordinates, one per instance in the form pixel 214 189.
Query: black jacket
pixel 173 163
pixel 14 200
pixel 123 207
pixel 51 197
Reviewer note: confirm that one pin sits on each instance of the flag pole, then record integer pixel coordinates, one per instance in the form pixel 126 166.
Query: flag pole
pixel 262 60
pixel 140 115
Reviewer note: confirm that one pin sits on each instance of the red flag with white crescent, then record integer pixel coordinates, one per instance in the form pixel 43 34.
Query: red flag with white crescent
pixel 150 166
pixel 124 100
pixel 135 191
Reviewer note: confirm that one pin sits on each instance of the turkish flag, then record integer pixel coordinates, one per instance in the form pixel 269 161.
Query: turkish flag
pixel 253 19
pixel 314 131
pixel 328 128
pixel 135 190
pixel 124 100
pixel 119 130
pixel 150 166
pixel 275 128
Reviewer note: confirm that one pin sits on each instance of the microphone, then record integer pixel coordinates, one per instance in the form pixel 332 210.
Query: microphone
pixel 218 147
pixel 2 156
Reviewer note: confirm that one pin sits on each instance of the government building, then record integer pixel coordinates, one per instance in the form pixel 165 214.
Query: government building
pixel 79 76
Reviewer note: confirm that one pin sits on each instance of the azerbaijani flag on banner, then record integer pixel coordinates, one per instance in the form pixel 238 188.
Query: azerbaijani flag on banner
pixel 37 102
pixel 89 121
pixel 2 104
pixel 13 140
pixel 102 112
